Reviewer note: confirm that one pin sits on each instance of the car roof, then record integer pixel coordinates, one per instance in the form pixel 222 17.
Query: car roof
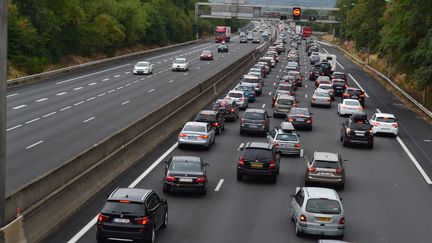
pixel 321 192
pixel 186 159
pixel 193 123
pixel 236 91
pixel 249 76
pixel 257 110
pixel 180 58
pixel 326 156
pixel 287 126
pixel 335 73
pixel 131 194
pixel 259 145
pixel 143 62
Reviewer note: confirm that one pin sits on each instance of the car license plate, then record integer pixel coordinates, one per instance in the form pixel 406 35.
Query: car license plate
pixel 253 126
pixel 385 128
pixel 256 165
pixel 359 134
pixel 325 173
pixel 122 221
pixel 192 137
pixel 300 119
pixel 323 219
pixel 185 179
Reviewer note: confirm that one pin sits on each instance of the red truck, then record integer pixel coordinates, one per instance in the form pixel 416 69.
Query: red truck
pixel 222 33
pixel 306 32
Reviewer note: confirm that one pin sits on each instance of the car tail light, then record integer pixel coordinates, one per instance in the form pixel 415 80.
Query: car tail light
pixel 242 121
pixel 241 99
pixel 348 130
pixel 143 221
pixel 276 144
pixel 170 178
pixel 346 86
pixel 290 119
pixel 342 220
pixel 215 124
pixel 375 124
pixel 303 218
pixel 200 179
pixel 203 136
pixel 241 162
pixel 311 169
pixel 313 98
pixel 345 95
pixel 292 93
pixel 272 164
pixel 232 109
pixel 339 171
pixel 297 145
pixel 102 218
pixel 395 125
pixel 182 135
pixel 360 108
pixel 309 120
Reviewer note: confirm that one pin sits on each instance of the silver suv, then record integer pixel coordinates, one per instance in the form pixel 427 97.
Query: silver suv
pixel 317 211
pixel 325 168
pixel 285 141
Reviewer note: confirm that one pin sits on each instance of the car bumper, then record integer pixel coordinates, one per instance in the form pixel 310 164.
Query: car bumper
pixel 324 180
pixel 127 234
pixel 389 130
pixel 348 112
pixel 200 142
pixel 260 129
pixel 359 140
pixel 256 172
pixel 321 230
pixel 141 72
pixel 179 68
pixel 293 151
pixel 323 103
pixel 300 124
pixel 171 186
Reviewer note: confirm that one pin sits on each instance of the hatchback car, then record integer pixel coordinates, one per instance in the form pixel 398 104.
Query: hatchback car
pixel 339 86
pixel 357 130
pixel 185 173
pixel 223 48
pixel 321 98
pixel 256 121
pixel 285 142
pixel 196 133
pixel 384 123
pixel 180 64
pixel 132 214
pixel 317 211
pixel 349 107
pixel 239 97
pixel 314 73
pixel 228 108
pixel 301 118
pixel 214 118
pixel 322 80
pixel 355 93
pixel 206 55
pixel 292 66
pixel 283 105
pixel 249 91
pixel 325 168
pixel 258 159
pixel 143 68
pixel 328 88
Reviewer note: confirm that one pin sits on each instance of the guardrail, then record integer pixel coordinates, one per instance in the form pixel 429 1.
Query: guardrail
pixel 383 76
pixel 51 199
pixel 45 75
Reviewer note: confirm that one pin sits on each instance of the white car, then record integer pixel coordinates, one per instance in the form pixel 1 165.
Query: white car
pixel 181 64
pixel 143 68
pixel 384 123
pixel 239 97
pixel 349 107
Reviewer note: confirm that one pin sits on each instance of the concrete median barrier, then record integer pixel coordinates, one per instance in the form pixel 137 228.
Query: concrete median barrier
pixel 49 200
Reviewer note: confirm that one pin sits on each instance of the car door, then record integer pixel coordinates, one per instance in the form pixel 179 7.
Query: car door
pixel 271 136
pixel 154 210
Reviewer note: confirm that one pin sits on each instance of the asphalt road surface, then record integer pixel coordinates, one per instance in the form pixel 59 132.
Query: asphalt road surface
pixel 52 121
pixel 386 198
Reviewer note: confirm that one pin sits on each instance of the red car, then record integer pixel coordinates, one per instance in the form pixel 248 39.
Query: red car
pixel 206 55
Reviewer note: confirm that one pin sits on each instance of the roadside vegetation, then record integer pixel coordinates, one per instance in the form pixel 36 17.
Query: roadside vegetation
pixel 396 35
pixel 49 34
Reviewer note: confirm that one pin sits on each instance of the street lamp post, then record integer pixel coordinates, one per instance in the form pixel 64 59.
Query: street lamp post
pixel 346 19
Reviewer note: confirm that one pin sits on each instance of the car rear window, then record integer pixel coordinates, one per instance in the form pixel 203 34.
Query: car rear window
pixel 326 164
pixel 235 95
pixel 185 166
pixel 284 87
pixel 205 118
pixel 255 153
pixel 326 87
pixel 194 128
pixel 352 102
pixel 287 137
pixel 354 92
pixel 285 101
pixel 322 94
pixel 295 111
pixel 325 206
pixel 385 119
pixel 254 116
pixel 251 80
pixel 117 207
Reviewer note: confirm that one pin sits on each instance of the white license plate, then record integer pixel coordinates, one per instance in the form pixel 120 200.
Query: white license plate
pixel 325 174
pixel 360 134
pixel 192 137
pixel 253 126
pixel 185 179
pixel 300 119
pixel 122 221
pixel 386 129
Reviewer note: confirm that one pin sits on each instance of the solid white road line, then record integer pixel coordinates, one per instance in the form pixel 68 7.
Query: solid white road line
pixel 326 51
pixel 151 90
pixel 11 95
pixel 78 88
pixel 12 128
pixel 19 107
pixel 101 94
pixel 62 93
pixel 340 65
pixel 219 185
pixel 41 100
pixel 65 108
pixel 49 114
pixel 110 91
pixel 124 103
pixel 92 98
pixel 91 74
pixel 91 118
pixel 28 122
pixel 35 144
pixel 127 84
pixel 355 81
pixel 121 87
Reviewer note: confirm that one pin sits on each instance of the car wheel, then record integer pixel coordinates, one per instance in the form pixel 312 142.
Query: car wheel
pixel 342 186
pixel 239 177
pixel 165 222
pixel 273 179
pixel 297 231
pixel 219 131
pixel 180 146
pixel 370 146
pixel 241 132
pixel 100 240
pixel 277 172
pixel 165 188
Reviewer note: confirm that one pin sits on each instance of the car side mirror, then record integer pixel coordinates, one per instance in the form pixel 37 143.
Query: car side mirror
pixel 298 135
pixel 206 164
pixel 345 160
pixel 292 195
pixel 311 113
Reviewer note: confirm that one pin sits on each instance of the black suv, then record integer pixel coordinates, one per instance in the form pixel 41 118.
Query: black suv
pixel 214 118
pixel 132 214
pixel 357 130
pixel 259 159
pixel 314 73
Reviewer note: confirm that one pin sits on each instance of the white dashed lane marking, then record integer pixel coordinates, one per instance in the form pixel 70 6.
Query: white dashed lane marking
pixel 124 103
pixel 12 128
pixel 78 88
pixel 78 103
pixel 49 114
pixel 151 90
pixel 35 144
pixel 19 107
pixel 11 95
pixel 91 84
pixel 62 93
pixel 65 108
pixel 41 100
pixel 116 76
pixel 36 119
pixel 91 118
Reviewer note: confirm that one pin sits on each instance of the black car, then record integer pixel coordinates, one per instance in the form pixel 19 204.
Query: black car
pixel 339 87
pixel 185 173
pixel 314 73
pixel 301 118
pixel 132 214
pixel 354 93
pixel 357 130
pixel 260 159
pixel 326 68
pixel 312 49
pixel 223 48
pixel 215 118
pixel 339 75
pixel 228 108
pixel 256 121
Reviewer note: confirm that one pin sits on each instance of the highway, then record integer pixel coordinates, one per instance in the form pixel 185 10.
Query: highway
pixel 386 198
pixel 50 122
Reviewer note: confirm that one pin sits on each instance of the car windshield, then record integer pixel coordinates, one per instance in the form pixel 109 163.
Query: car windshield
pixel 142 64
pixel 285 101
pixel 235 95
pixel 289 137
pixel 117 207
pixel 194 128
pixel 295 111
pixel 244 88
pixel 255 153
pixel 351 102
pixel 324 206
pixel 185 166
pixel 254 116
pixel 205 118
pixel 251 80
pixel 326 164
pixel 180 61
pixel 385 119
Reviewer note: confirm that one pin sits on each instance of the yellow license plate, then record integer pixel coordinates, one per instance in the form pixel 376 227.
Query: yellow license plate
pixel 256 165
pixel 323 219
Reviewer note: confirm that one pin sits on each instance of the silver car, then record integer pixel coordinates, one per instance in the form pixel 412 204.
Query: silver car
pixel 317 211
pixel 239 97
pixel 197 133
pixel 285 142
pixel 321 98
pixel 143 68
pixel 349 107
pixel 325 168
pixel 283 105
